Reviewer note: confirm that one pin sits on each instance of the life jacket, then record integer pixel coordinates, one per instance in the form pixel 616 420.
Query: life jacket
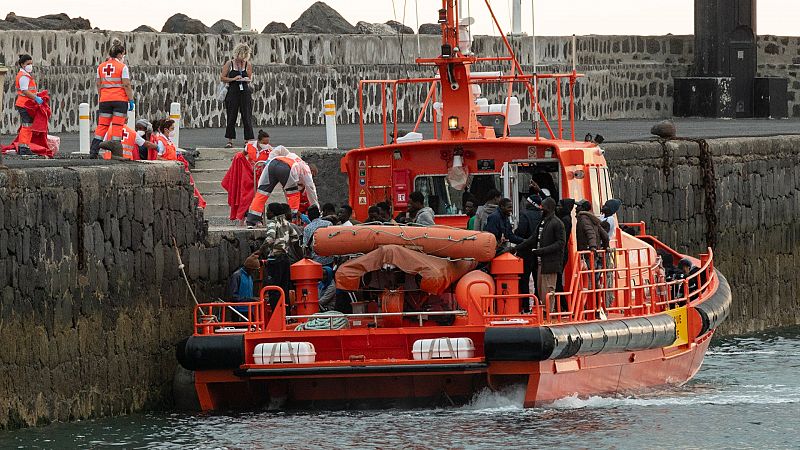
pixel 253 154
pixel 110 76
pixel 21 99
pixel 170 152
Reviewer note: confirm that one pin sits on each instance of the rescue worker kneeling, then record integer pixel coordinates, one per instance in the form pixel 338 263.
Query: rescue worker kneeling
pixel 291 172
pixel 125 143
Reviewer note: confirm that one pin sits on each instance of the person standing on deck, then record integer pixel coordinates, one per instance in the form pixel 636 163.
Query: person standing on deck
pixel 469 210
pixel 279 235
pixel 483 213
pixel 529 218
pixel 423 215
pixel 238 73
pixel 115 95
pixel 549 242
pixel 26 91
pixel 499 224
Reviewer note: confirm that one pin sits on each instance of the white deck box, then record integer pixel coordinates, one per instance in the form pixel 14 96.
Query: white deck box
pixel 285 353
pixel 443 348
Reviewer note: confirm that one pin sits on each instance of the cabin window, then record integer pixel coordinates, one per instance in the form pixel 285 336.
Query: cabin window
pixel 594 185
pixel 445 200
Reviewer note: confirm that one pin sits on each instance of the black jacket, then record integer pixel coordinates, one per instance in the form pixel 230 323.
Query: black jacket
pixel 550 248
pixel 588 233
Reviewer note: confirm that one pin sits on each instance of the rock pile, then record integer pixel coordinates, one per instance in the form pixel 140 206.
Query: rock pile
pixel 322 19
pixel 48 22
pixel 181 23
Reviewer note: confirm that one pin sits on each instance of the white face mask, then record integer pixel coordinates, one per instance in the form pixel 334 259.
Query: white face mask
pixel 28 68
pixel 171 134
pixel 263 146
pixel 140 133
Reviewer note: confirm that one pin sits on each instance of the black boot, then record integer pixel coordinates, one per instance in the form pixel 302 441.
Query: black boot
pixel 94 149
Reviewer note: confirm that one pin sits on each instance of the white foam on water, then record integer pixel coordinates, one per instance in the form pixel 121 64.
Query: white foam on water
pixel 507 399
pixel 740 352
pixel 720 398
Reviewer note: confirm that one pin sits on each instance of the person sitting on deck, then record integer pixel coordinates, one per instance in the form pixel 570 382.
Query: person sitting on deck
pixel 385 211
pixel 345 216
pixel 469 210
pixel 308 236
pixel 423 215
pixel 374 215
pixel 493 198
pixel 240 287
pixel 327 289
pixel 499 224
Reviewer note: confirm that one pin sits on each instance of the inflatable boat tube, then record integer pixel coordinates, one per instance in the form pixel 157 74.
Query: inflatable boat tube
pixel 566 341
pixel 445 242
pixel 715 309
pixel 211 352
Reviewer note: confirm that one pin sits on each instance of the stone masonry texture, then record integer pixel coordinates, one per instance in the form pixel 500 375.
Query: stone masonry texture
pixel 627 76
pixel 91 300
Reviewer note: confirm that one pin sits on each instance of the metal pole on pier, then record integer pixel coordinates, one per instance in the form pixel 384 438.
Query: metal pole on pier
pixel 330 124
pixel 246 26
pixel 175 114
pixel 516 17
pixel 84 126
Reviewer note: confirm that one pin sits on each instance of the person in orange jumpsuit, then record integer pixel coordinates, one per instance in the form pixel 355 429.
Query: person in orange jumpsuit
pixel 26 92
pixel 116 95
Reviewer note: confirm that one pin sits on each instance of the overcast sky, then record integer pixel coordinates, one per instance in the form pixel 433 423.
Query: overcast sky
pixel 553 17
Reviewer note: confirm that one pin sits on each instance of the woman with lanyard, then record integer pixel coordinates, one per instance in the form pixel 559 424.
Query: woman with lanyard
pixel 238 73
pixel 26 92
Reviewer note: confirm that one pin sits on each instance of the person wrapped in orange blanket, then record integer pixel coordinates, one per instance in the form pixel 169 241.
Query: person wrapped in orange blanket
pixel 33 107
pixel 245 168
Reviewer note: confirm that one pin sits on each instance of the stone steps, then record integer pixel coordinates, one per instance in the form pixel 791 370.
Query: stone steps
pixel 210 167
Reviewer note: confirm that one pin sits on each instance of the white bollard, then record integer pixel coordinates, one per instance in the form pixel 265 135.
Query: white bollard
pixel 132 118
pixel 330 123
pixel 246 28
pixel 175 114
pixel 84 126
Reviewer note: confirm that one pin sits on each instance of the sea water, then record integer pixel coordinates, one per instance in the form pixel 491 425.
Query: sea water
pixel 746 395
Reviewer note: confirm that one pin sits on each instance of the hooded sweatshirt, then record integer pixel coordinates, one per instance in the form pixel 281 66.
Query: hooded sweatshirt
pixel 482 215
pixel 424 217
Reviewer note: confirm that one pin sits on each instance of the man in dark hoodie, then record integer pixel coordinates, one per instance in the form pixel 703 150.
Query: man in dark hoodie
pixel 492 199
pixel 529 219
pixel 564 212
pixel 549 241
pixel 499 224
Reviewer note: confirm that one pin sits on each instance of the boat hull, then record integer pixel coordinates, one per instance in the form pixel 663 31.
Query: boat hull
pixel 622 373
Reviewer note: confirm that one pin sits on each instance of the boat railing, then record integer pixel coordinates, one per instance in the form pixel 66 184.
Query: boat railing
pixel 226 317
pixel 389 93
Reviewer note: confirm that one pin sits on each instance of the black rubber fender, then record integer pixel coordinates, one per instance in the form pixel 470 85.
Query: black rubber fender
pixel 518 344
pixel 211 352
pixel 716 308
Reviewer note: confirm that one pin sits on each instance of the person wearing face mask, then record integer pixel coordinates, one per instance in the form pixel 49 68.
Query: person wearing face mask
pixel 144 130
pixel 116 95
pixel 26 92
pixel 162 137
pixel 258 150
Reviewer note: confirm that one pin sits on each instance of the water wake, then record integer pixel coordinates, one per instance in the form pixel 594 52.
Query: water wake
pixel 506 399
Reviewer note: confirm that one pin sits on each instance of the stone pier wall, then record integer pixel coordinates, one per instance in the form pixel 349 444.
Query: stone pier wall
pixel 91 301
pixel 757 191
pixel 627 76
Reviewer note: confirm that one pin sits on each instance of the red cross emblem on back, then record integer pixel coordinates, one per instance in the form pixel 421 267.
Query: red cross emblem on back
pixel 125 134
pixel 108 69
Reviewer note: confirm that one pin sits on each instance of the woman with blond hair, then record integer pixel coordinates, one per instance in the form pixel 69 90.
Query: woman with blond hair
pixel 238 73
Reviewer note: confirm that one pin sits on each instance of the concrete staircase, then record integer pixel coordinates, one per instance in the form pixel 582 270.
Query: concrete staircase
pixel 210 167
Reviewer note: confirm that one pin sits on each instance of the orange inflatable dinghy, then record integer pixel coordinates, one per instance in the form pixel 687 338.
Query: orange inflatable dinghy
pixel 445 242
